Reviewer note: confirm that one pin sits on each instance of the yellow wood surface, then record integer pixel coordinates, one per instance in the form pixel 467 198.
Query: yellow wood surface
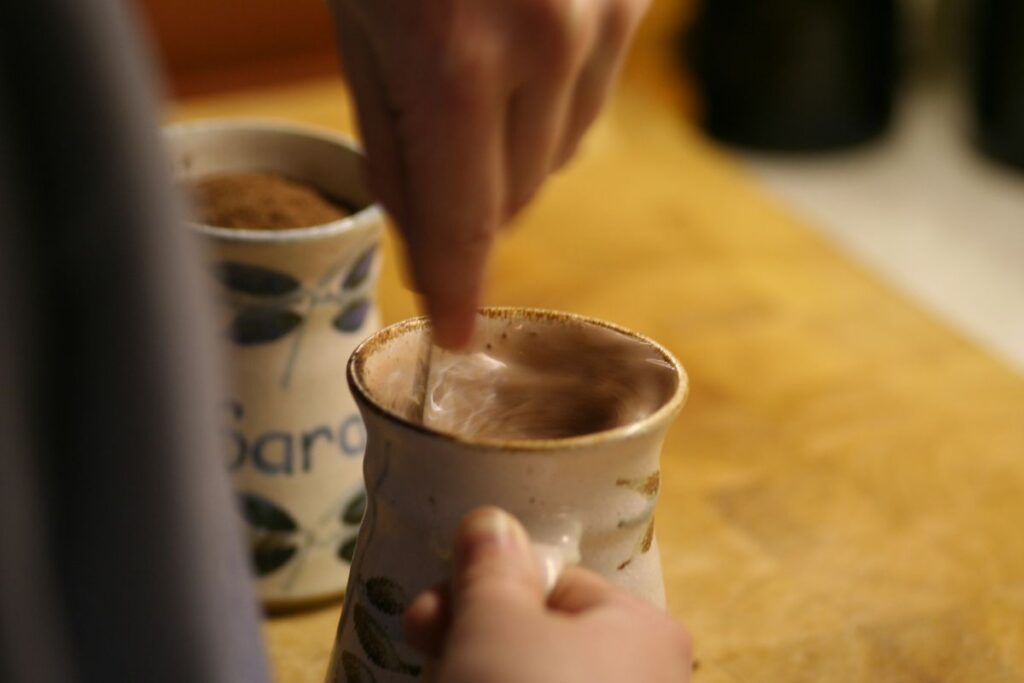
pixel 843 497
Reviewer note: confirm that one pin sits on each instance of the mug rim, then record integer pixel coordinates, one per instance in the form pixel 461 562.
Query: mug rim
pixel 368 214
pixel 656 419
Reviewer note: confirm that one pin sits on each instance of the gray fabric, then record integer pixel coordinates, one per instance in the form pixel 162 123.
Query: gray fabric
pixel 120 559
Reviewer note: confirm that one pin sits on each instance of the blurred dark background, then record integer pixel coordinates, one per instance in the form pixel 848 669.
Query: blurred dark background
pixel 797 75
pixel 208 46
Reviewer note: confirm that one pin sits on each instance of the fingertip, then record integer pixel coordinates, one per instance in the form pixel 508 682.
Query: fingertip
pixel 488 527
pixel 449 292
pixel 425 609
pixel 453 324
pixel 423 623
pixel 514 207
pixel 567 153
pixel 493 549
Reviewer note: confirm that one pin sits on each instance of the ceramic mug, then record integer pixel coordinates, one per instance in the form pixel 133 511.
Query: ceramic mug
pixel 584 499
pixel 295 303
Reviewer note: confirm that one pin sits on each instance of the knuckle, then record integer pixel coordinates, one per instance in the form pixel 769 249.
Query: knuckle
pixel 445 236
pixel 473 240
pixel 552 27
pixel 467 79
pixel 519 202
pixel 473 229
pixel 471 63
pixel 521 193
pixel 468 54
pixel 546 15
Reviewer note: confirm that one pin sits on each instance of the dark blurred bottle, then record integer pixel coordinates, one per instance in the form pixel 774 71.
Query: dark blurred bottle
pixel 998 78
pixel 801 75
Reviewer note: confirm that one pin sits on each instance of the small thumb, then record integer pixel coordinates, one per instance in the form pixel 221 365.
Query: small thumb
pixel 495 561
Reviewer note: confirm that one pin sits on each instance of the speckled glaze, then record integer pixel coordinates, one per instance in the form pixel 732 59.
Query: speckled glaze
pixel 295 303
pixel 588 499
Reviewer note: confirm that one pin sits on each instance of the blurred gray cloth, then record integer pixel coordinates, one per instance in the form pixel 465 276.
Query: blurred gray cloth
pixel 120 559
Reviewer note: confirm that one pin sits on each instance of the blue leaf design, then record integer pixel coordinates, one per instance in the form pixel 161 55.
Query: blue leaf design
pixel 255 280
pixel 262 325
pixel 361 270
pixel 262 514
pixel 378 645
pixel 386 595
pixel 270 554
pixel 352 317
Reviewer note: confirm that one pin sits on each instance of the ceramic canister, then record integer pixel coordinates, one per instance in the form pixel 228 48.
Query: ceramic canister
pixel 294 304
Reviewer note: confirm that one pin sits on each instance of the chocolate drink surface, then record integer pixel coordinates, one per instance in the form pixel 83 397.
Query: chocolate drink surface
pixel 261 201
pixel 528 380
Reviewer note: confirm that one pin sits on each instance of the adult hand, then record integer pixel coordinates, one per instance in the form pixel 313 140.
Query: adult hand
pixel 465 107
pixel 494 625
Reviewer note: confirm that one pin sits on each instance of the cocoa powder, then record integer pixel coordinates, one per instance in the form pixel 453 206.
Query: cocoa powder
pixel 261 201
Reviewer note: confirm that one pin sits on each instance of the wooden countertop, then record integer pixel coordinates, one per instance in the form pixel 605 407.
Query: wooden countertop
pixel 843 497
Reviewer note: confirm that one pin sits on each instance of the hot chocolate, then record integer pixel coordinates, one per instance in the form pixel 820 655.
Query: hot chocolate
pixel 261 201
pixel 528 379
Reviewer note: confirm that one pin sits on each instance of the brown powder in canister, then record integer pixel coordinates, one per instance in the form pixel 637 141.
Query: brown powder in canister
pixel 260 201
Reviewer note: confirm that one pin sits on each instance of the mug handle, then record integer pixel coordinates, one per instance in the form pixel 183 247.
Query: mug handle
pixel 557 546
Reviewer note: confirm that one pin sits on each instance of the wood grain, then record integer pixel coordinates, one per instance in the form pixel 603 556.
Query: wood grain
pixel 843 497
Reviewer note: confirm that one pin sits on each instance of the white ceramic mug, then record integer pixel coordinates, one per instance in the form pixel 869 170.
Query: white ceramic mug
pixel 584 499
pixel 295 304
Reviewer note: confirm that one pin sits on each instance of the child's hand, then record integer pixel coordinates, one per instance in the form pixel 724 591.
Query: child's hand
pixel 493 624
pixel 465 107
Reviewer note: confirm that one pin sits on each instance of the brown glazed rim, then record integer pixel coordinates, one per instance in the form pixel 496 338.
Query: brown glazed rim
pixel 369 214
pixel 378 340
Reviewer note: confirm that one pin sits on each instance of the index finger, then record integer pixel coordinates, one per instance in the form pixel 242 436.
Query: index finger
pixel 452 139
